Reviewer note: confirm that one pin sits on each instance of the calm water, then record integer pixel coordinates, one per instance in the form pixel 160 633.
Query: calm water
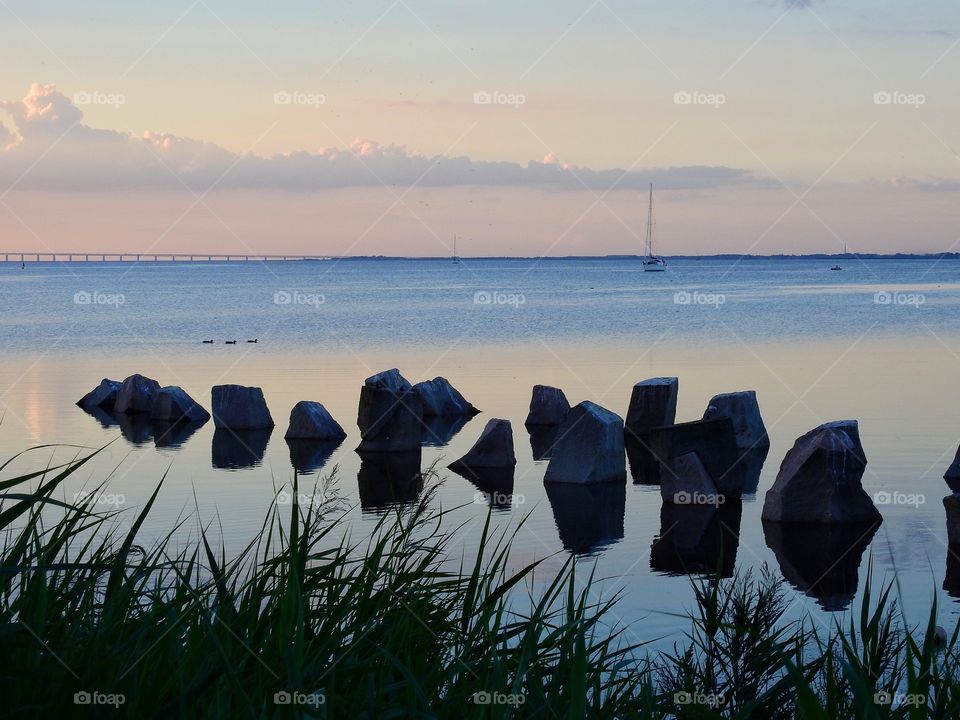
pixel 879 342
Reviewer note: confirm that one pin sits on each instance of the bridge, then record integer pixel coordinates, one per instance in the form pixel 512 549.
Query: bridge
pixel 34 257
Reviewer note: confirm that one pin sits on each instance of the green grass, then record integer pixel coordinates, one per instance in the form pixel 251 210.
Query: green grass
pixel 388 627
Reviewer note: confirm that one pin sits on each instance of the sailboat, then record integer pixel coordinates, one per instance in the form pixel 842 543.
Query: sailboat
pixel 456 258
pixel 651 261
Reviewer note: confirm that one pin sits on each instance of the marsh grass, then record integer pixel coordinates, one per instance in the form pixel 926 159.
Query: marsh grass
pixel 303 622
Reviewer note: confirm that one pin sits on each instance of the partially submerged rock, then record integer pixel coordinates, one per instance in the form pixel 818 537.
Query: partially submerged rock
pixel 442 399
pixel 173 404
pixel 136 395
pixel 103 395
pixel 390 415
pixel 493 449
pixel 951 503
pixel 653 403
pixel 744 411
pixel 685 481
pixel 589 447
pixel 819 479
pixel 715 444
pixel 696 539
pixel 548 406
pixel 240 407
pixel 310 421
pixel 952 475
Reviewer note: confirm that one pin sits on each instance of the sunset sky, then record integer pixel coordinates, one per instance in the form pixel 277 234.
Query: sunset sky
pixel 526 128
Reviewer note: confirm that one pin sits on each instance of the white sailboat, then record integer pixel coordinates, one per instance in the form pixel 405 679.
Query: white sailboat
pixel 456 258
pixel 651 261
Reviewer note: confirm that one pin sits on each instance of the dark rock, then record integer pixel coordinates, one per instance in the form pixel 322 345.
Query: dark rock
pixel 136 395
pixel 697 539
pixel 387 480
pixel 493 449
pixel 548 406
pixel 239 407
pixel 311 421
pixel 588 517
pixel 819 479
pixel 951 580
pixel 439 430
pixel 685 481
pixel 644 466
pixel 174 434
pixel 714 443
pixel 744 411
pixel 751 467
pixel 390 416
pixel 951 503
pixel 653 403
pixel 821 561
pixel 589 447
pixel 103 395
pixel 238 449
pixel 952 475
pixel 440 398
pixel 173 404
pixel 542 438
pixel 309 456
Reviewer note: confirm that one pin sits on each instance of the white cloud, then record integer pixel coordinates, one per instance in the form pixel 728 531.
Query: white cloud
pixel 61 153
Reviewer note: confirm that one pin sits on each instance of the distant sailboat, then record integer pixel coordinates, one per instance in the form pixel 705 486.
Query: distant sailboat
pixel 651 261
pixel 456 258
pixel 838 266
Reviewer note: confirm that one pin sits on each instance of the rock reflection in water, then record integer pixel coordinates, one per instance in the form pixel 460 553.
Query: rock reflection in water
pixel 588 517
pixel 697 539
pixel 237 449
pixel 309 456
pixel 439 430
pixel 495 485
pixel 644 465
pixel 173 435
pixel 388 479
pixel 821 561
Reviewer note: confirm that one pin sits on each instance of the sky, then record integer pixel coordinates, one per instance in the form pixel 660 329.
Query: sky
pixel 384 127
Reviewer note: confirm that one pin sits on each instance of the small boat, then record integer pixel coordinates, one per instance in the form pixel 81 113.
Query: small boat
pixel 651 261
pixel 254 340
pixel 229 342
pixel 207 342
pixel 456 258
pixel 838 266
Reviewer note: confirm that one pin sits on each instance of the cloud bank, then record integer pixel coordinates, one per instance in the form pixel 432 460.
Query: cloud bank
pixel 50 149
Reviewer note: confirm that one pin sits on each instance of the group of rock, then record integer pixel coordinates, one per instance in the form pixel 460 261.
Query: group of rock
pixel 819 479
